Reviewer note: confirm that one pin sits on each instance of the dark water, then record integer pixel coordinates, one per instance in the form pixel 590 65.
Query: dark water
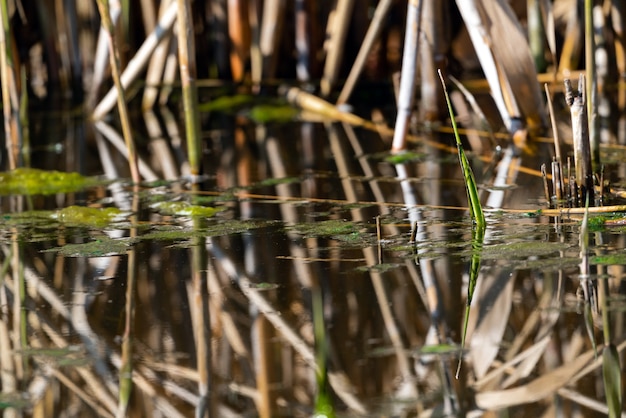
pixel 227 304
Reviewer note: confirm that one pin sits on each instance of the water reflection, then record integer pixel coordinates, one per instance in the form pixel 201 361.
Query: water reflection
pixel 214 311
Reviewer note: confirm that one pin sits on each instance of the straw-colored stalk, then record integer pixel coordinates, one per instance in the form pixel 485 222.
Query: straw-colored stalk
pixel 409 71
pixel 580 137
pixel 154 75
pixel 137 64
pixel 10 98
pixel 373 31
pixel 271 29
pixel 336 31
pixel 591 87
pixel 107 24
pixel 187 64
pixel 239 34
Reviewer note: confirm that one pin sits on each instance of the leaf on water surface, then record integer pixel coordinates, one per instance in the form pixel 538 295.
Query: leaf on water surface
pixel 101 247
pixel 88 216
pixel 182 208
pixel 31 181
pixel 611 372
pixel 327 228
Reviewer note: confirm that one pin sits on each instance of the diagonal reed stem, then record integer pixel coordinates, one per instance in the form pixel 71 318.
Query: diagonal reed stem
pixel 107 24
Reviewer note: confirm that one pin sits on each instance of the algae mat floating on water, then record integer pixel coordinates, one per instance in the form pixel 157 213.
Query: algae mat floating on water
pixel 31 181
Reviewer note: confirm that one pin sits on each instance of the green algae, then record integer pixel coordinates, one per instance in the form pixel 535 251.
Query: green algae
pixel 404 157
pixel 182 208
pixel 520 250
pixel 88 216
pixel 327 228
pixel 265 113
pixel 31 181
pixel 103 246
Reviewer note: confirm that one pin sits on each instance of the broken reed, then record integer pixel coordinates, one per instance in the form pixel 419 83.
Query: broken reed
pixel 580 186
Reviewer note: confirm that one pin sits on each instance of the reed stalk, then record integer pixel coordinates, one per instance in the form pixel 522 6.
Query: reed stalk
pixel 372 34
pixel 187 65
pixel 336 31
pixel 577 102
pixel 239 34
pixel 107 24
pixel 139 61
pixel 272 23
pixel 10 99
pixel 408 76
pixel 591 88
pixel 154 74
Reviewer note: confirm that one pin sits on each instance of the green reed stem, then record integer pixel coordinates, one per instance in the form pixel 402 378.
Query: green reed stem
pixel 476 209
pixel 107 25
pixel 187 63
pixel 477 215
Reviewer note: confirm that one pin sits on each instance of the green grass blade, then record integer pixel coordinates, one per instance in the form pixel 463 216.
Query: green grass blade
pixel 477 215
pixel 476 210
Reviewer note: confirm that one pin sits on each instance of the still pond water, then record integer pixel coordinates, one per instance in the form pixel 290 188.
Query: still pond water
pixel 305 248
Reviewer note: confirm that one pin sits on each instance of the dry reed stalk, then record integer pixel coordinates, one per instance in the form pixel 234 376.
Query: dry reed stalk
pixel 103 7
pixel 154 74
pixel 591 84
pixel 430 41
pixel 336 31
pixel 187 65
pixel 408 76
pixel 137 64
pixel 256 57
pixel 10 98
pixel 272 23
pixel 239 34
pixel 376 25
pixel 576 101
pixel 504 54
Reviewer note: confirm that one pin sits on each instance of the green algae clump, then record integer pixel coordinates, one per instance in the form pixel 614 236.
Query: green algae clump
pixel 31 181
pixel 181 208
pixel 93 217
